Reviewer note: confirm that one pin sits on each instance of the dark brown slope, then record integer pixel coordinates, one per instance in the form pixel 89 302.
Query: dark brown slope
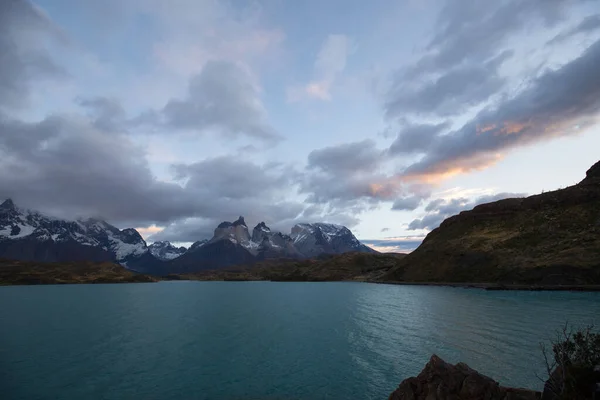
pixel 33 273
pixel 342 267
pixel 548 239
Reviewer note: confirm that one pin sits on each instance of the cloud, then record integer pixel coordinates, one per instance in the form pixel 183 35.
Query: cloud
pixel 473 32
pixel 222 98
pixel 459 69
pixel 66 166
pixel 347 157
pixel 107 114
pixel 347 175
pixel 26 38
pixel 560 102
pixel 330 63
pixel 409 203
pixel 416 138
pixel 588 25
pixel 195 32
pixel 440 209
pixel 449 93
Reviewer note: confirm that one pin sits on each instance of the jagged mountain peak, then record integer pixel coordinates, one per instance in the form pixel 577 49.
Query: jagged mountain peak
pixel 32 236
pixel 263 227
pixel 165 250
pixel 240 221
pixel 8 204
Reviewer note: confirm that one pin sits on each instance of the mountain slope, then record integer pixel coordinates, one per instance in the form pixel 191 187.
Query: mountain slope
pixel 30 236
pixel 550 238
pixel 32 273
pixel 312 240
pixel 165 250
pixel 232 245
pixel 338 267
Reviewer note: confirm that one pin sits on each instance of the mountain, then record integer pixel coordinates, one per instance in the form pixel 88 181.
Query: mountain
pixel 312 240
pixel 30 236
pixel 232 245
pixel 547 239
pixel 165 250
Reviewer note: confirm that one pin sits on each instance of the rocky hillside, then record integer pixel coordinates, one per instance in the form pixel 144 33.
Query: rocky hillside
pixel 165 250
pixel 551 238
pixel 33 273
pixel 340 267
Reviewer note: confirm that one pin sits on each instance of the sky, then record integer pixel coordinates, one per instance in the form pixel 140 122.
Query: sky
pixel 383 116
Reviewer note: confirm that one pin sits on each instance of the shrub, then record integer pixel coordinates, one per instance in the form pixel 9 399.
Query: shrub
pixel 571 369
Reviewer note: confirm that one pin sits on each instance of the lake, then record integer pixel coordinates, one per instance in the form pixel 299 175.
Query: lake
pixel 263 340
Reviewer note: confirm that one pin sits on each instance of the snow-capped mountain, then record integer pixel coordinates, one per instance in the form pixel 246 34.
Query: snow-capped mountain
pixel 30 235
pixel 312 240
pixel 165 250
pixel 232 244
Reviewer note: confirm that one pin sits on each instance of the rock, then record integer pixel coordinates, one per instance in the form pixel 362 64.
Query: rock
pixel 593 172
pixel 441 380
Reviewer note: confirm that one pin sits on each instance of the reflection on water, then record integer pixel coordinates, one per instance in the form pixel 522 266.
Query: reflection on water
pixel 265 340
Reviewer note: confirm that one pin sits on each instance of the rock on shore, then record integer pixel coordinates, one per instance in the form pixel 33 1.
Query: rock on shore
pixel 444 381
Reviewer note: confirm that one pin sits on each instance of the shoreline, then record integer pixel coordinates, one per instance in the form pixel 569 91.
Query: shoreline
pixel 499 286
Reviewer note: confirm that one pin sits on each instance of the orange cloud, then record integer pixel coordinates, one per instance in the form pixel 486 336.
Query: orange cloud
pixel 149 230
pixel 457 167
pixel 514 127
pixel 485 128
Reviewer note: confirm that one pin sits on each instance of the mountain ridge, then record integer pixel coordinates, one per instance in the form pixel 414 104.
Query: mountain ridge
pixel 28 235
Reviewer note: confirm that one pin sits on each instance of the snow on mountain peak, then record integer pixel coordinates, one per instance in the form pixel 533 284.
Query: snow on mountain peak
pixel 17 224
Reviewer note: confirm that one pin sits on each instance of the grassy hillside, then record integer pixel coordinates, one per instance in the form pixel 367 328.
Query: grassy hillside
pixel 31 273
pixel 343 267
pixel 550 238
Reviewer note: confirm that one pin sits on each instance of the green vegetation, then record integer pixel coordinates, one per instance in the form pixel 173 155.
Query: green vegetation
pixel 571 369
pixel 30 273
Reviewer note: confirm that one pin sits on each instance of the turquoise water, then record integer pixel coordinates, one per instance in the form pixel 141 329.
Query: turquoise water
pixel 236 340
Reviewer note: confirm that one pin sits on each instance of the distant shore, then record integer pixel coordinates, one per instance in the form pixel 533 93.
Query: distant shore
pixel 499 286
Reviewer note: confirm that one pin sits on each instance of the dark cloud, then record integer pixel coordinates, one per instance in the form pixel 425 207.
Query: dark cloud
pixel 472 32
pixel 385 229
pixel 452 92
pixel 69 168
pixel 559 102
pixel 587 25
pixel 346 157
pixel 347 175
pixel 459 67
pixel 221 98
pixel 234 178
pixel 106 113
pixel 417 138
pixel 440 209
pixel 409 203
pixel 64 165
pixel 25 34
